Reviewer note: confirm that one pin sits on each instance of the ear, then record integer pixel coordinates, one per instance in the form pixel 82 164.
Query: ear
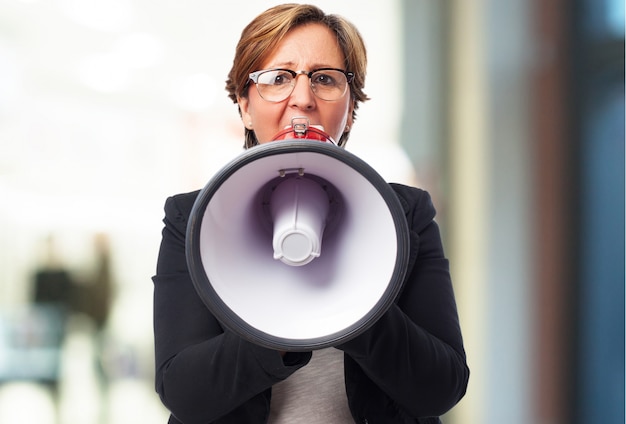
pixel 246 118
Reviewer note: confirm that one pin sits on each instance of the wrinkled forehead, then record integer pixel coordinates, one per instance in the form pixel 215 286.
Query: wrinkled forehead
pixel 306 46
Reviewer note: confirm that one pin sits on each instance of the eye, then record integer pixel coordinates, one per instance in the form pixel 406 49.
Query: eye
pixel 277 77
pixel 324 78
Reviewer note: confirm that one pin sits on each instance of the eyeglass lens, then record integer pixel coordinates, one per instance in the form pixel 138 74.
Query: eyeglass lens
pixel 276 85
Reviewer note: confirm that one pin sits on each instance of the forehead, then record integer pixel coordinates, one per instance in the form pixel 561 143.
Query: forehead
pixel 306 46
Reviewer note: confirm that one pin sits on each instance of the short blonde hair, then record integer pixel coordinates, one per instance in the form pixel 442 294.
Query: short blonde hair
pixel 261 36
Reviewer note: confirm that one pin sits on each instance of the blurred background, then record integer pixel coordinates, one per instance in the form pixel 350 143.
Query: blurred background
pixel 510 112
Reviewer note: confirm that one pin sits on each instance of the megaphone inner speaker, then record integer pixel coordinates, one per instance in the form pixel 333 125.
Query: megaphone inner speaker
pixel 334 297
pixel 298 208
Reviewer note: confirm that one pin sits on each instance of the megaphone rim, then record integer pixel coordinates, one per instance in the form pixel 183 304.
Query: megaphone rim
pixel 224 313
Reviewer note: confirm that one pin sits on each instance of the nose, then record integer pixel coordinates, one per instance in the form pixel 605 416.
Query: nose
pixel 302 96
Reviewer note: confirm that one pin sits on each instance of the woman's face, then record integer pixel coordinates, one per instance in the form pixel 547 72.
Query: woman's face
pixel 306 47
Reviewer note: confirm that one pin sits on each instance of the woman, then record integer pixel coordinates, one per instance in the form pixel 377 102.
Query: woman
pixel 408 367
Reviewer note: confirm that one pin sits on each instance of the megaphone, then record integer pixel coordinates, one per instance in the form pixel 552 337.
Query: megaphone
pixel 297 244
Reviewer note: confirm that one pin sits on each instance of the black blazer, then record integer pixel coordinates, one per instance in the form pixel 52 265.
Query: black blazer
pixel 409 367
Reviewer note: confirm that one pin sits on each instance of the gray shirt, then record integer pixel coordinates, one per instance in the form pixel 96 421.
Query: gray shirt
pixel 314 394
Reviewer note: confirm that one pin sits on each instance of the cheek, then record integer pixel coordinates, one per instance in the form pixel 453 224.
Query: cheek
pixel 266 120
pixel 338 119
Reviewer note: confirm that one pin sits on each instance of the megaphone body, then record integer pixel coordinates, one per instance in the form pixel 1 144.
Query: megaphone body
pixel 297 245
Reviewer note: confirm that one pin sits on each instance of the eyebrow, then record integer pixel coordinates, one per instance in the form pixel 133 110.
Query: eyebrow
pixel 291 65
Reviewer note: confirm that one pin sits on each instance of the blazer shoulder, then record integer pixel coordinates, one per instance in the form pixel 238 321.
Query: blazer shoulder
pixel 178 207
pixel 417 204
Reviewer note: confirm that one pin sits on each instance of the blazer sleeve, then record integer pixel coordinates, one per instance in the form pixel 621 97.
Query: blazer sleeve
pixel 415 353
pixel 197 361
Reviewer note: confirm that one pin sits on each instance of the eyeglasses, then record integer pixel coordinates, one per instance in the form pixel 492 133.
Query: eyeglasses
pixel 275 85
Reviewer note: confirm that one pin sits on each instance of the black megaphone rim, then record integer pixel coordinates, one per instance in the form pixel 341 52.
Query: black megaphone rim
pixel 226 315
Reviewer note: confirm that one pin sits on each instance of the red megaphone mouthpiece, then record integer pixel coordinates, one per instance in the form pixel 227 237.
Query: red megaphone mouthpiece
pixel 301 129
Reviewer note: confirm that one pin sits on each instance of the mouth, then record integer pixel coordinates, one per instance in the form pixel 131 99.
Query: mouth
pixel 301 124
pixel 317 126
pixel 300 128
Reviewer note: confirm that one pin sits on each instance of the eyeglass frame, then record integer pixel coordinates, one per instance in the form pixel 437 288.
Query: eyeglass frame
pixel 254 76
